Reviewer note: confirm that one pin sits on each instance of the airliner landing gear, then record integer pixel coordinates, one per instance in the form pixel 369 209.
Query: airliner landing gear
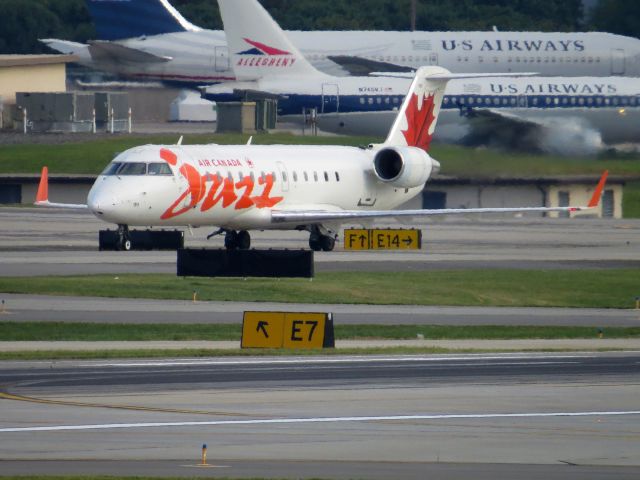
pixel 319 241
pixel 124 239
pixel 237 240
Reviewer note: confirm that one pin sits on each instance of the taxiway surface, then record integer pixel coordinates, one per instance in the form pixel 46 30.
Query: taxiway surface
pixel 362 417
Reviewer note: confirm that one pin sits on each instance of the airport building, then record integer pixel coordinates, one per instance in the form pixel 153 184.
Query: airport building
pixel 30 73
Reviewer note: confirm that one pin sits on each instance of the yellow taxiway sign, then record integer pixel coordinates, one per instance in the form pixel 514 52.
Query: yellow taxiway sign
pixel 287 330
pixel 382 239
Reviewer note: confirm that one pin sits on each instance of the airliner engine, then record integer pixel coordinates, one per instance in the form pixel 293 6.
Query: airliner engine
pixel 405 167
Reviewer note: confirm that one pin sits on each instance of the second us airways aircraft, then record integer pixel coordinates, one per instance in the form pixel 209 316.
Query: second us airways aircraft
pixel 149 40
pixel 237 188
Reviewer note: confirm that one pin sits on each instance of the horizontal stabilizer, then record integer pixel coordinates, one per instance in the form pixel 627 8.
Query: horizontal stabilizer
pixel 117 53
pixel 360 67
pixel 42 196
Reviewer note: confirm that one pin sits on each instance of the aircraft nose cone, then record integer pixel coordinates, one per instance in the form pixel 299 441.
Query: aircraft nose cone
pixel 101 203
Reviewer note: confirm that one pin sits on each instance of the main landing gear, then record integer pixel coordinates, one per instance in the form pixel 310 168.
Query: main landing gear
pixel 320 241
pixel 234 240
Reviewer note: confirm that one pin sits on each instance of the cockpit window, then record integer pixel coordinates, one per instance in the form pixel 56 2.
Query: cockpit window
pixel 111 168
pixel 159 169
pixel 132 168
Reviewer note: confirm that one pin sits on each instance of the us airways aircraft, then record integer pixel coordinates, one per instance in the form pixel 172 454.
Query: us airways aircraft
pixel 527 113
pixel 238 188
pixel 149 40
pixel 558 114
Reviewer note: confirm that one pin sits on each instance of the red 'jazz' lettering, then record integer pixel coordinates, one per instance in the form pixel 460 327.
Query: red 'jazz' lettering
pixel 196 189
pixel 264 200
pixel 245 200
pixel 220 190
pixel 226 194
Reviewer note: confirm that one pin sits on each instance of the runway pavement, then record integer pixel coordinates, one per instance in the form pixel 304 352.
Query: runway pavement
pixel 125 310
pixel 49 242
pixel 496 416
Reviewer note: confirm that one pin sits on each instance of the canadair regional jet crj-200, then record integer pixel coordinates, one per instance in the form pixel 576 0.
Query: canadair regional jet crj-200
pixel 237 188
pixel 148 40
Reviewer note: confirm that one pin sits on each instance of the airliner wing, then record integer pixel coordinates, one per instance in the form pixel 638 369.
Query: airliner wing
pixel 319 216
pixel 42 197
pixel 360 67
pixel 103 51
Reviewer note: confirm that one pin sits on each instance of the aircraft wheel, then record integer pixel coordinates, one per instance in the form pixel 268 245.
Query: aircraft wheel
pixel 244 240
pixel 126 245
pixel 315 242
pixel 327 243
pixel 231 240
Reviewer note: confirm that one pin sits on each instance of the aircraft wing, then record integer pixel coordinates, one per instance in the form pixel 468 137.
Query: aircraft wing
pixel 360 67
pixel 42 197
pixel 103 51
pixel 318 216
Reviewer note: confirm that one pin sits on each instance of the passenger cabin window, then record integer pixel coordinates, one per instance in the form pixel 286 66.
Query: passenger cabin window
pixel 326 177
pixel 337 177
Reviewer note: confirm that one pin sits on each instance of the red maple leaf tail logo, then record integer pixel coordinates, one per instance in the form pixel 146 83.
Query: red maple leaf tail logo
pixel 419 121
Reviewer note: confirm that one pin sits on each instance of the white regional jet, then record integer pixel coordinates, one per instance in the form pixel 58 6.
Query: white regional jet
pixel 238 188
pixel 149 40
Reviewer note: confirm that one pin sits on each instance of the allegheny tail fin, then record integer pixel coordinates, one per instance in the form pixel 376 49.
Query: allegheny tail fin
pixel 258 46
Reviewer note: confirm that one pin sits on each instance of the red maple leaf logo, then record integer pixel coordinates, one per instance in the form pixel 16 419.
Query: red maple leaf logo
pixel 419 121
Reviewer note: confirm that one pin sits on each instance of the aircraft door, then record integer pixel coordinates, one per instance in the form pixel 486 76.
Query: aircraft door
pixel 221 59
pixel 330 98
pixel 617 61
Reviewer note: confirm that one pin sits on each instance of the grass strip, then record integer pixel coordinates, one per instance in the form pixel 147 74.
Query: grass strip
pixel 210 353
pixel 595 288
pixel 63 331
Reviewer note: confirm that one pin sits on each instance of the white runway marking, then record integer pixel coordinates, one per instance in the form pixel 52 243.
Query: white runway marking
pixel 110 426
pixel 347 359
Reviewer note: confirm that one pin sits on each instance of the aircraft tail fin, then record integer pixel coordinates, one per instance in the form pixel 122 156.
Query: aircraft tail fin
pixel 258 46
pixel 416 120
pixel 117 20
pixel 415 123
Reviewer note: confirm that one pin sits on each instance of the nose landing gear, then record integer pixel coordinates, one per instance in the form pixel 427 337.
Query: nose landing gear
pixel 124 239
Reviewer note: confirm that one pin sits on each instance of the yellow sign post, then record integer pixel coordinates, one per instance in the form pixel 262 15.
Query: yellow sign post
pixel 287 330
pixel 382 239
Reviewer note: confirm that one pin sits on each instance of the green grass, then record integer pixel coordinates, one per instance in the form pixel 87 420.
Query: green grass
pixel 71 331
pixel 91 157
pixel 208 353
pixel 611 288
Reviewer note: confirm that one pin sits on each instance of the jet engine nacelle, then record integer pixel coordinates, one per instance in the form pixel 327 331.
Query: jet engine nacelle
pixel 404 167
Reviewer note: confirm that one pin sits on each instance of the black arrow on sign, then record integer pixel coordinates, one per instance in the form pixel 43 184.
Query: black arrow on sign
pixel 407 241
pixel 261 325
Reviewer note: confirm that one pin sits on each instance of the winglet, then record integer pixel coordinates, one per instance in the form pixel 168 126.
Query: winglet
pixel 595 198
pixel 43 188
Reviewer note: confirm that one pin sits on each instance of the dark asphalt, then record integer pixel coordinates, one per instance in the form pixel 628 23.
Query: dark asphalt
pixel 335 470
pixel 320 372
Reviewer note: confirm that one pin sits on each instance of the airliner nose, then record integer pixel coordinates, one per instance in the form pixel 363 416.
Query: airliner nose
pixel 101 203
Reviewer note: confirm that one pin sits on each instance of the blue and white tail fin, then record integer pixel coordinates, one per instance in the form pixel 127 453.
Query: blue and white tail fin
pixel 259 47
pixel 118 19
